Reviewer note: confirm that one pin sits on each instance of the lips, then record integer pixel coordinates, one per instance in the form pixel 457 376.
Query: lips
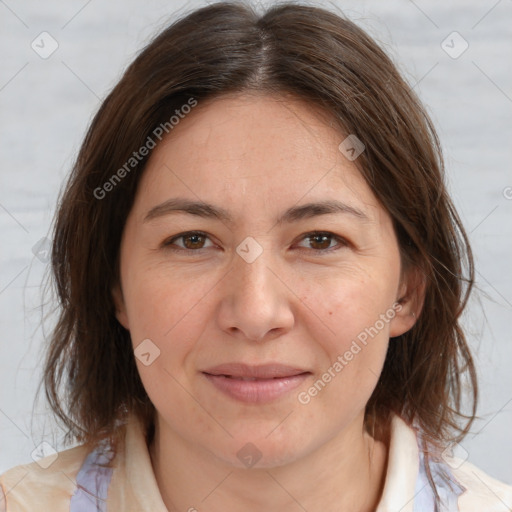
pixel 255 384
pixel 248 372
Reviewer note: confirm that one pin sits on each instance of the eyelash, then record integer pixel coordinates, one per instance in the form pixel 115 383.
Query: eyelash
pixel 341 241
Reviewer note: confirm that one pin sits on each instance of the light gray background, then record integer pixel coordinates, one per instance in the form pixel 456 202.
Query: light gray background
pixel 46 105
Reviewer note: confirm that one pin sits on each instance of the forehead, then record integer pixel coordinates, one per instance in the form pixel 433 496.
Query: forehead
pixel 255 151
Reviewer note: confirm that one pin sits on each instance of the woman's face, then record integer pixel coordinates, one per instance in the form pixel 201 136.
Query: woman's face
pixel 256 286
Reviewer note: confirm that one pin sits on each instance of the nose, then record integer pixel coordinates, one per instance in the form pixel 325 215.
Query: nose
pixel 255 304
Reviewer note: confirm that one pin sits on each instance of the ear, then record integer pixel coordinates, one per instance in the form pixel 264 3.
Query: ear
pixel 121 315
pixel 410 297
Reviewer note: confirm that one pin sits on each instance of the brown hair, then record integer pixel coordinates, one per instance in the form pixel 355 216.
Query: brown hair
pixel 91 379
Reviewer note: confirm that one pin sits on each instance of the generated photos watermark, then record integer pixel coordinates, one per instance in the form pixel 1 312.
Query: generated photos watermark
pixel 344 359
pixel 137 156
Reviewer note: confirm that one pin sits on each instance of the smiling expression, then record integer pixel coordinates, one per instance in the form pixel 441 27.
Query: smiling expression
pixel 253 240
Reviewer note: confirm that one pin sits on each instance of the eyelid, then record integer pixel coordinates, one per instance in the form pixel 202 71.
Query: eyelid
pixel 169 241
pixel 342 242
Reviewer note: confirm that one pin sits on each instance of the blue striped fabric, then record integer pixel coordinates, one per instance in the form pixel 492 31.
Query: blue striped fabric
pixel 93 480
pixel 448 488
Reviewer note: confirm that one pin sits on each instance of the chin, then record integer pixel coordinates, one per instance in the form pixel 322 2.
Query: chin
pixel 261 452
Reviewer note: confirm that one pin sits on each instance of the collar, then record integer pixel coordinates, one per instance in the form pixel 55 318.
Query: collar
pixel 402 471
pixel 406 488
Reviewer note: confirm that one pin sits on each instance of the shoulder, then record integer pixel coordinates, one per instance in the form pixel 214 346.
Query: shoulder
pixel 482 492
pixel 460 485
pixel 25 487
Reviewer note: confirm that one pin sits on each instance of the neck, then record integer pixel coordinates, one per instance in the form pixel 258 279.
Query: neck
pixel 345 474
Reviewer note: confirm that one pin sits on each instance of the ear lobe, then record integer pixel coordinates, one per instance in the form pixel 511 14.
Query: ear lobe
pixel 402 322
pixel 411 299
pixel 121 315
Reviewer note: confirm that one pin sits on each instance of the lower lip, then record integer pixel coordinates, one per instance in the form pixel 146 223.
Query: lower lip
pixel 256 391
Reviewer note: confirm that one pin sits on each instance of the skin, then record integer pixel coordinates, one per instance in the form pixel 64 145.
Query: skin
pixel 301 302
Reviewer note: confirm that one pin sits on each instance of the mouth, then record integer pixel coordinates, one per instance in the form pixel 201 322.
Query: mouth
pixel 255 384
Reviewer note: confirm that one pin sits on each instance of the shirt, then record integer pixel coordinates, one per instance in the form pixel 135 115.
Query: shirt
pixel 76 482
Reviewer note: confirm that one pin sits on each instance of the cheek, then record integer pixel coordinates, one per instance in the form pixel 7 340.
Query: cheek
pixel 159 302
pixel 348 305
pixel 171 313
pixel 357 315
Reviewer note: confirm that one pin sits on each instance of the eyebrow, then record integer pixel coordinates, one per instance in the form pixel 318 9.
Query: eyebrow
pixel 293 214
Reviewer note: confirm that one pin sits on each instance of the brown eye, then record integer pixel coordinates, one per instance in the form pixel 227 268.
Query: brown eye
pixel 321 241
pixel 193 241
pixel 187 241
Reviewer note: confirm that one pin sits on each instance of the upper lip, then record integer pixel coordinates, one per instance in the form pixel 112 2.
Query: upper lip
pixel 264 371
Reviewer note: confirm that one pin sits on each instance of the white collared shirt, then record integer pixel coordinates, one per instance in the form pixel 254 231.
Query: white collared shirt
pixel 76 481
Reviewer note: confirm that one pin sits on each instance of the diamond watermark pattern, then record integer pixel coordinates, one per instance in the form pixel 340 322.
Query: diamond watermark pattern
pixel 146 352
pixel 249 249
pixel 454 45
pixel 41 249
pixel 455 455
pixel 44 45
pixel 351 147
pixel 44 455
pixel 249 455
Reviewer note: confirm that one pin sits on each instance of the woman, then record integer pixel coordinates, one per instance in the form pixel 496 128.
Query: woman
pixel 261 276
